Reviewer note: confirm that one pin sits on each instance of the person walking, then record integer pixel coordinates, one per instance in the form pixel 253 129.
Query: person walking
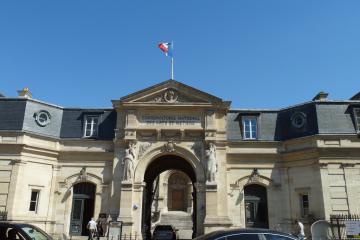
pixel 299 230
pixel 91 226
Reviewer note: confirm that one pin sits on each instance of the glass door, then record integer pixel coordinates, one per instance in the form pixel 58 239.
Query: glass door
pixel 76 217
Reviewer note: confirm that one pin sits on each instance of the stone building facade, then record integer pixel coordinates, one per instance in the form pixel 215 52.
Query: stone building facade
pixel 171 148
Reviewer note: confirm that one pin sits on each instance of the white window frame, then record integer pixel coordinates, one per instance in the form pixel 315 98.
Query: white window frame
pixel 356 112
pixel 244 118
pixel 36 201
pixel 91 125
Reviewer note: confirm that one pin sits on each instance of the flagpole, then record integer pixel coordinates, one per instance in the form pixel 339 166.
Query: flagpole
pixel 172 60
pixel 172 68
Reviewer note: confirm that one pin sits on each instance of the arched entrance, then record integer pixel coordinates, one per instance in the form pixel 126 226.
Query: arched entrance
pixel 157 166
pixel 83 203
pixel 256 210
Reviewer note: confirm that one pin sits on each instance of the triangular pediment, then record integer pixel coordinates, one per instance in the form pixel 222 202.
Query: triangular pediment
pixel 171 92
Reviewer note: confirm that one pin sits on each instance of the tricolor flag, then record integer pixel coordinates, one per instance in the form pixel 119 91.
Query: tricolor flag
pixel 167 48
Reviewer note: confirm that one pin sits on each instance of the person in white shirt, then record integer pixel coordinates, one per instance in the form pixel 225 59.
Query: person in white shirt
pixel 299 229
pixel 92 228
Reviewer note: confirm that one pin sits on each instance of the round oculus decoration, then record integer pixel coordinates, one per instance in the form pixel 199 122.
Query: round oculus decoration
pixel 298 119
pixel 42 118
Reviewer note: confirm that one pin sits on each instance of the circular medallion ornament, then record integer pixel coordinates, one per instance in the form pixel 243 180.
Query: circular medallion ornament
pixel 298 119
pixel 42 118
pixel 170 96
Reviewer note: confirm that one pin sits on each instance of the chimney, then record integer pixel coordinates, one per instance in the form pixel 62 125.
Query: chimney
pixel 321 96
pixel 25 93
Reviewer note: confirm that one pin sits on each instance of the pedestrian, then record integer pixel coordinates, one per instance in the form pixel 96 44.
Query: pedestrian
pixel 299 229
pixel 100 229
pixel 91 226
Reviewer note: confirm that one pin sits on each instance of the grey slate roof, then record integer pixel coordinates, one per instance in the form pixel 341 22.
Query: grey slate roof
pixel 50 130
pixel 18 114
pixel 12 113
pixel 334 118
pixel 73 123
pixel 322 117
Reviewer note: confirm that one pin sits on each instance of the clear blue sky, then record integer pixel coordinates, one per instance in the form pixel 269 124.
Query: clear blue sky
pixel 256 53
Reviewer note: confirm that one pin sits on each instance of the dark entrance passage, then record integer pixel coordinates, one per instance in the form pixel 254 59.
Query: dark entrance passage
pixel 159 165
pixel 256 210
pixel 82 208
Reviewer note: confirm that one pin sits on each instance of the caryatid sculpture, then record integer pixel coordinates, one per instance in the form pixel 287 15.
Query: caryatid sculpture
pixel 128 162
pixel 211 164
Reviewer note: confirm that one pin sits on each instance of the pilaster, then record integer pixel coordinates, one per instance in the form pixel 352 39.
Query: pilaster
pixel 126 207
pixel 15 186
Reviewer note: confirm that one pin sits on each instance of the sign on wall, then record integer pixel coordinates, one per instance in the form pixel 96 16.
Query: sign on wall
pixel 115 230
pixel 170 120
pixel 353 228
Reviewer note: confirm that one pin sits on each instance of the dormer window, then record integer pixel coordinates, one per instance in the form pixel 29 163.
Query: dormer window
pixel 357 119
pixel 91 126
pixel 249 127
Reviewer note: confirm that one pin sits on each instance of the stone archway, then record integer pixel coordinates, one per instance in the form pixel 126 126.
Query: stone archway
pixel 254 190
pixel 83 206
pixel 155 161
pixel 66 194
pixel 256 206
pixel 157 166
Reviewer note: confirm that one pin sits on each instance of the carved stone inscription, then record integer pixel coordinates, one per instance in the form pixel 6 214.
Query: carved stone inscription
pixel 170 120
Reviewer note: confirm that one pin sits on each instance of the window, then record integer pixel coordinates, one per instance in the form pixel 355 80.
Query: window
pixel 42 118
pixel 91 126
pixel 249 128
pixel 34 200
pixel 242 237
pixel 34 233
pixel 277 237
pixel 304 204
pixel 357 119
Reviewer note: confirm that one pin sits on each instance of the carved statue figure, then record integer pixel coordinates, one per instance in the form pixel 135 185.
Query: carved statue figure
pixel 211 165
pixel 170 96
pixel 170 146
pixel 128 162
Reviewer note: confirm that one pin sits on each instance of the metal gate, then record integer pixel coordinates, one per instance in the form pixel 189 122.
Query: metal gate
pixel 338 225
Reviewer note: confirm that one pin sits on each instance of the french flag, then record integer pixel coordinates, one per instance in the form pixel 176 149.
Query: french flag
pixel 167 48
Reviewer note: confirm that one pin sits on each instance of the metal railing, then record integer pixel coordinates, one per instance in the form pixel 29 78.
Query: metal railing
pixel 338 227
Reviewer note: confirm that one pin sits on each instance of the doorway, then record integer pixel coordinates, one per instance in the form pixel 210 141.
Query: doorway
pixel 178 192
pixel 155 168
pixel 256 210
pixel 83 203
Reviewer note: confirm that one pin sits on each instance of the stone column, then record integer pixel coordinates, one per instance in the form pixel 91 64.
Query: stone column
pixel 137 209
pixel 325 187
pixel 126 207
pixel 115 190
pixel 352 186
pixel 52 201
pixel 98 197
pixel 199 209
pixel 15 197
pixel 211 207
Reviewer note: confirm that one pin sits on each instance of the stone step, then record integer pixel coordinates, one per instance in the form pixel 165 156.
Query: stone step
pixel 181 221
